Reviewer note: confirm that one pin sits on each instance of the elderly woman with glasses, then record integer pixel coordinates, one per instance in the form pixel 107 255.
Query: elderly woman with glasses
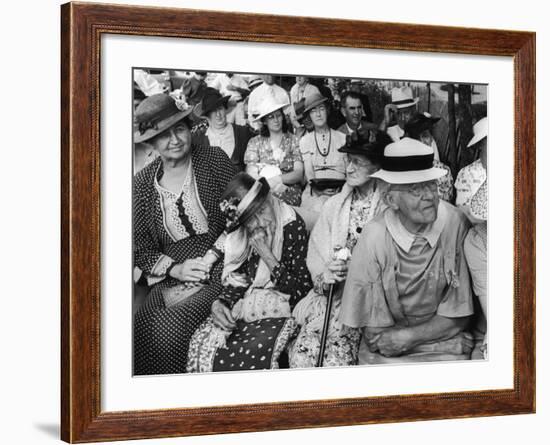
pixel 178 234
pixel 331 243
pixel 264 276
pixel 408 287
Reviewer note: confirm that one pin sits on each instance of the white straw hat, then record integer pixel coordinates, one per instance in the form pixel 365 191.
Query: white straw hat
pixel 481 129
pixel 403 97
pixel 408 161
pixel 268 106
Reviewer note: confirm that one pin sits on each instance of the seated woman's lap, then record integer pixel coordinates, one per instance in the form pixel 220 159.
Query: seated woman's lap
pixel 162 334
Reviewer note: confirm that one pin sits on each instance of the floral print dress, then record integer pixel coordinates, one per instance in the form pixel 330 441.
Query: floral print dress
pixel 342 346
pixel 260 154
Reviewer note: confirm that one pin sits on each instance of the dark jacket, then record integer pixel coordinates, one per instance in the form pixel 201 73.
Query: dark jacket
pixel 242 136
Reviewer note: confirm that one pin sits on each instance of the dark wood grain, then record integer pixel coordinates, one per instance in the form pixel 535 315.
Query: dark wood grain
pixel 82 27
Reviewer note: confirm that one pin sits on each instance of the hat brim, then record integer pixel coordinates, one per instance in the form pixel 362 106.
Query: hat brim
pixel 252 207
pixel 407 104
pixel 200 112
pixel 261 116
pixel 314 104
pixel 476 139
pixel 410 177
pixel 161 126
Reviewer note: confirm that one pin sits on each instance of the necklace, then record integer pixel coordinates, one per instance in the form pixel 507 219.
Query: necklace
pixel 323 152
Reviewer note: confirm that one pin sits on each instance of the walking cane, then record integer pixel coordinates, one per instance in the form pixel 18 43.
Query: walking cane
pixel 325 327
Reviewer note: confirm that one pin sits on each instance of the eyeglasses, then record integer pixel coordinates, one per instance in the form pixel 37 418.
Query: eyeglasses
pixel 417 189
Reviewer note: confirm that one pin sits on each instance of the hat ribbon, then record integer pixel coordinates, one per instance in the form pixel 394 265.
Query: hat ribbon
pixel 403 101
pixel 407 163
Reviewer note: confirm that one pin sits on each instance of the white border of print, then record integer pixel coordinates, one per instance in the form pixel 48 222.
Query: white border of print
pixel 120 391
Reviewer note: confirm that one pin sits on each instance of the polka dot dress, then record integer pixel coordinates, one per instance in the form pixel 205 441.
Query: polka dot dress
pixel 258 344
pixel 162 334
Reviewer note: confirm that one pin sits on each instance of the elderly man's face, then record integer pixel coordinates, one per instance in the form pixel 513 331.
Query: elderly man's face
pixel 416 203
pixel 352 109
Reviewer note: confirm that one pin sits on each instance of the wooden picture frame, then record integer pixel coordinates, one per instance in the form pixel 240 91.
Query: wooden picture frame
pixel 82 26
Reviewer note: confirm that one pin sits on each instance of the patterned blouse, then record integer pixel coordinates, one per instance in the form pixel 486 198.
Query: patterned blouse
pixel 361 212
pixel 445 187
pixel 172 228
pixel 260 153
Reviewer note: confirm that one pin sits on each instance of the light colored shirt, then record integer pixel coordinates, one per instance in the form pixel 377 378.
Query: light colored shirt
pixel 224 138
pixel 298 92
pixel 316 166
pixel 399 278
pixel 222 81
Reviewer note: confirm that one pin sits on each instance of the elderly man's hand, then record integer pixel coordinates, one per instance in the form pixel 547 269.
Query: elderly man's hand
pixel 391 342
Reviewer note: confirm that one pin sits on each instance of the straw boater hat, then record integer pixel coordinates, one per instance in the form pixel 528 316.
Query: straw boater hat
pixel 268 106
pixel 408 161
pixel 403 97
pixel 211 101
pixel 481 129
pixel 312 101
pixel 243 196
pixel 156 114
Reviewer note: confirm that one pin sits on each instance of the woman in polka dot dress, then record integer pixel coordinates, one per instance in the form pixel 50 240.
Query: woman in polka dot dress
pixel 178 235
pixel 264 276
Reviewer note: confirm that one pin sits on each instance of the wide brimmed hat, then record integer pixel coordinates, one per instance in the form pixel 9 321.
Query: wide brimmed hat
pixel 313 100
pixel 420 122
pixel 481 130
pixel 368 143
pixel 211 100
pixel 299 108
pixel 268 106
pixel 243 196
pixel 408 161
pixel 156 114
pixel 403 97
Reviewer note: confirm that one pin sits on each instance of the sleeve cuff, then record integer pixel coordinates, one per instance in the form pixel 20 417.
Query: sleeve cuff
pixel 158 272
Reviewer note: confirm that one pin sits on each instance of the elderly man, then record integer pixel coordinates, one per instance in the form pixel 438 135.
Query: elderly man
pixel 352 109
pixel 408 285
pixel 401 110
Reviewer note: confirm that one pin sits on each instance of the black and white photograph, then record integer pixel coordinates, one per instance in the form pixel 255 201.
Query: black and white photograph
pixel 285 221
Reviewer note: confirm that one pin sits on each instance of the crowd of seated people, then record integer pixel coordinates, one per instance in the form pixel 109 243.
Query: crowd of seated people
pixel 251 212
